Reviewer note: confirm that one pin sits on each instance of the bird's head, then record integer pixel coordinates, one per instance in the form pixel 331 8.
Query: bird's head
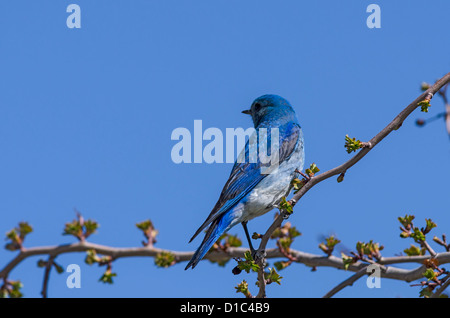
pixel 270 108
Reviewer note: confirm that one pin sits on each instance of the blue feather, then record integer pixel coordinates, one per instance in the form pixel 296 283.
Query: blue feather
pixel 217 228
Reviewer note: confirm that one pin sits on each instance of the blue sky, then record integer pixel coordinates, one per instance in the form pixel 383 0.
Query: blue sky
pixel 86 117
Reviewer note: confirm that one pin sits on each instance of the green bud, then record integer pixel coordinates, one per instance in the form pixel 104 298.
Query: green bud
pixel 24 229
pixel 426 292
pixel 281 265
pixel 352 144
pixel 248 264
pixel 430 274
pixel 285 205
pixel 417 235
pixel 347 260
pixel 424 86
pixel 59 268
pixel 90 227
pixel 91 257
pixel 233 241
pixel 414 251
pixel 406 221
pixel 107 277
pixel 429 225
pixel 424 105
pixel 165 259
pixel 272 276
pixel 15 291
pixel 41 263
pixel 243 288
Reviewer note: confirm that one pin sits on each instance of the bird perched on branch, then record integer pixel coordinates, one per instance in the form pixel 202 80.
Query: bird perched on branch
pixel 256 186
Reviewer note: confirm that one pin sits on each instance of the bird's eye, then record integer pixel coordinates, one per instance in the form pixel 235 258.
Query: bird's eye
pixel 257 106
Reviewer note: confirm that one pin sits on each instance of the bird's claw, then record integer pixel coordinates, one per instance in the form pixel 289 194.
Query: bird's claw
pixel 258 255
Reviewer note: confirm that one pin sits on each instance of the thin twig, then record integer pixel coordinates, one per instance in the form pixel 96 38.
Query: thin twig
pixel 438 292
pixel 428 248
pixel 48 268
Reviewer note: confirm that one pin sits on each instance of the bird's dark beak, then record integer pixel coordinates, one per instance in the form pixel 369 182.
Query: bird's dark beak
pixel 246 112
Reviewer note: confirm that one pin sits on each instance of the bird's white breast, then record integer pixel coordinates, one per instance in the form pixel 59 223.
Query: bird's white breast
pixel 268 193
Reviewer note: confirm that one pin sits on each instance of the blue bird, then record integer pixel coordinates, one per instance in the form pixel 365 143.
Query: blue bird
pixel 250 191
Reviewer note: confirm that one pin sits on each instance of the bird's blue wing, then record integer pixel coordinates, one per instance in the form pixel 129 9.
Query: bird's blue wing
pixel 246 175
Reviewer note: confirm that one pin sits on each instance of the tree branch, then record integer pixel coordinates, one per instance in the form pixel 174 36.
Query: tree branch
pixel 48 268
pixel 395 124
pixel 348 282
pixel 311 260
pixel 442 287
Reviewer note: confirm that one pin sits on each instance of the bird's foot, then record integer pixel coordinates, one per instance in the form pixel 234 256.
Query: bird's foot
pixel 285 216
pixel 258 255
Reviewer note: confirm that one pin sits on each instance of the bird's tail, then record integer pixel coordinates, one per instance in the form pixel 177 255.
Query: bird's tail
pixel 215 230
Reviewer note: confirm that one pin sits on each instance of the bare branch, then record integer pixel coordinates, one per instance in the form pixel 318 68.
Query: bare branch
pixel 428 248
pixel 393 125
